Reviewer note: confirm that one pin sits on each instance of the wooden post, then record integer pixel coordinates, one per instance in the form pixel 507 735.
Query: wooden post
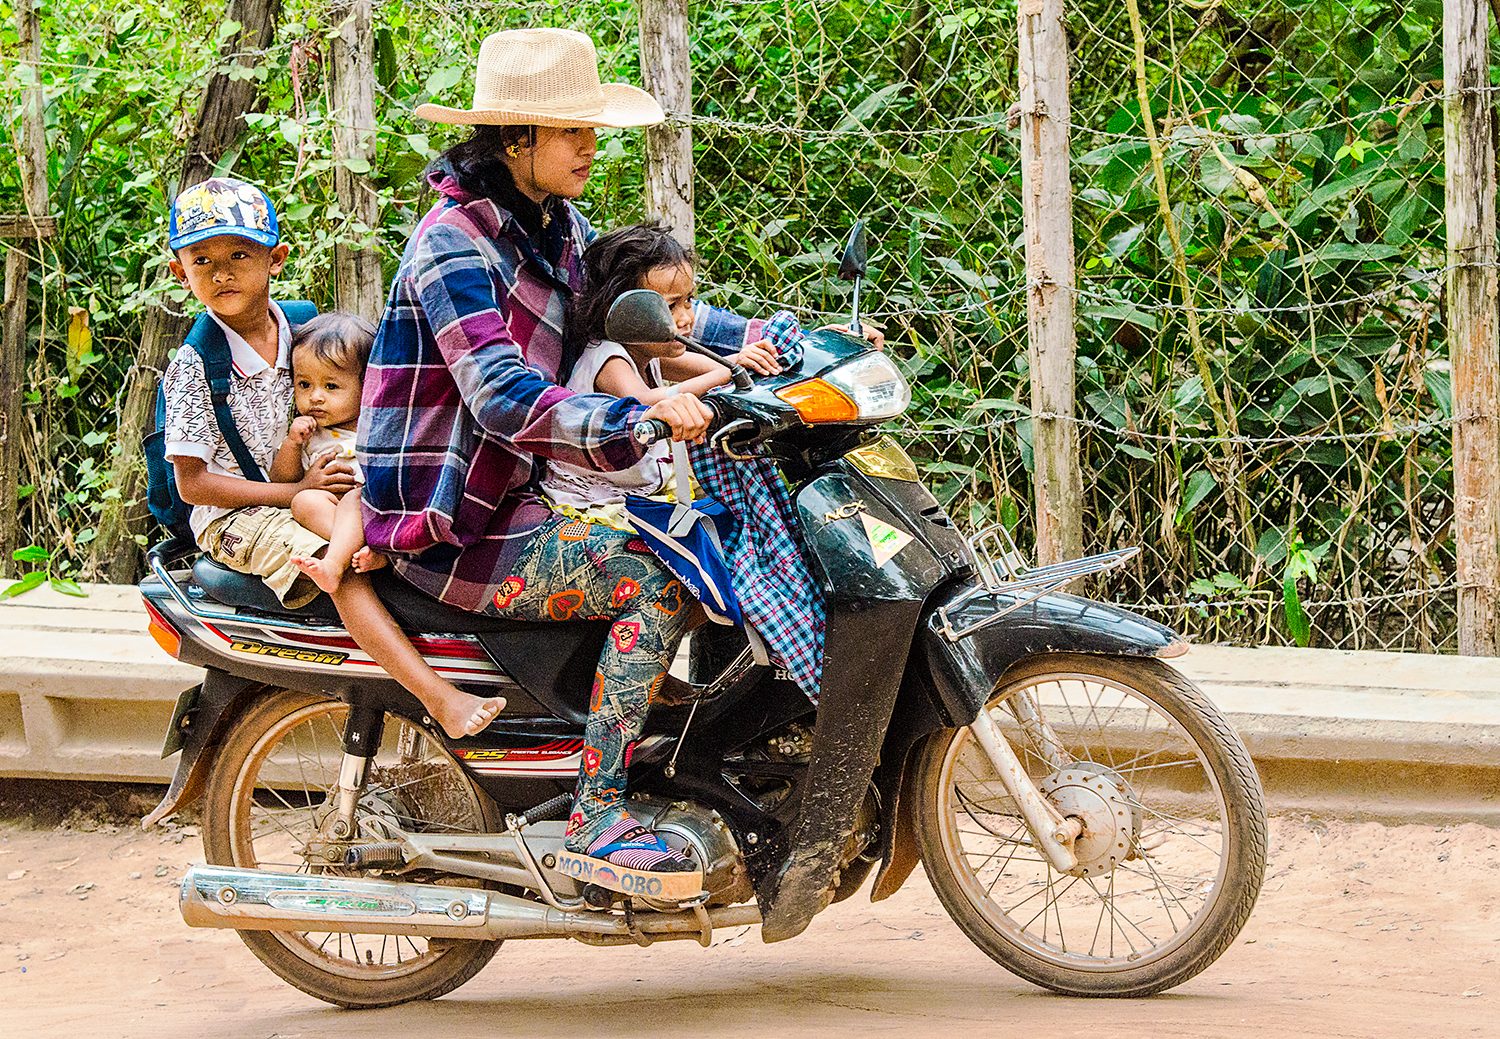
pixel 32 157
pixel 358 285
pixel 1047 209
pixel 668 77
pixel 1469 158
pixel 220 121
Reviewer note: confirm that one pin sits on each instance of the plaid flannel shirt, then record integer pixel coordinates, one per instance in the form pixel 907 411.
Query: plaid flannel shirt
pixel 461 402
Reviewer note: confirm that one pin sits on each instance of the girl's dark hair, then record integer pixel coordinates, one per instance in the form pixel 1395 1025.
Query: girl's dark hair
pixel 338 339
pixel 614 263
pixel 476 162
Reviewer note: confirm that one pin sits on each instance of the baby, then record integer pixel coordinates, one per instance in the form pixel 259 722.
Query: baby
pixel 328 363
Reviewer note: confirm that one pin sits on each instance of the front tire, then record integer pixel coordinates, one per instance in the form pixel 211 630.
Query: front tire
pixel 275 781
pixel 1192 830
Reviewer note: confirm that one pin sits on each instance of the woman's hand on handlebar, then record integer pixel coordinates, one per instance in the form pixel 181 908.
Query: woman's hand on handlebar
pixel 686 414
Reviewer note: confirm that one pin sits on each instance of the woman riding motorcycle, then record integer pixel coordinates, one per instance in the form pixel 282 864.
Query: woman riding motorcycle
pixel 462 403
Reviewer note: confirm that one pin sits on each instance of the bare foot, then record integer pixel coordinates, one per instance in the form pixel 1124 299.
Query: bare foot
pixel 461 714
pixel 367 559
pixel 322 574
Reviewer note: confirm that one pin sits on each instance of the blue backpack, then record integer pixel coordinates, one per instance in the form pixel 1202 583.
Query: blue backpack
pixel 207 338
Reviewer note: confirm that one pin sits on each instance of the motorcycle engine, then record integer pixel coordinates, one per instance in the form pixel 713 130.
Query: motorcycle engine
pixel 702 835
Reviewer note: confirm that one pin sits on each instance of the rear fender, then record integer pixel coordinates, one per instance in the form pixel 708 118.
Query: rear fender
pixel 199 728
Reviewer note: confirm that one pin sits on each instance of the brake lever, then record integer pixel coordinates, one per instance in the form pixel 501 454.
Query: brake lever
pixel 720 440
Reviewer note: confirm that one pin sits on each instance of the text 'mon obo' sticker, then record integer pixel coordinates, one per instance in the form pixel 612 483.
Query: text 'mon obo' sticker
pixel 885 540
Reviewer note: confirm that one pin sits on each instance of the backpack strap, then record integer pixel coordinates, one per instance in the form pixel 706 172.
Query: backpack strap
pixel 207 338
pixel 298 312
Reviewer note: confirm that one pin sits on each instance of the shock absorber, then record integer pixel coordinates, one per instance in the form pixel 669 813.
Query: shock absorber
pixel 362 734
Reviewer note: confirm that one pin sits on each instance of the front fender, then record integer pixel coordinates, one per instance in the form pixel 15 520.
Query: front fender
pixel 966 670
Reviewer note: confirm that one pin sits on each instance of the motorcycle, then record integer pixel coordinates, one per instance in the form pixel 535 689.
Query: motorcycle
pixel 1084 814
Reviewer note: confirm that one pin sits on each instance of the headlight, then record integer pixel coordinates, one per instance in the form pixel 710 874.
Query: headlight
pixel 867 388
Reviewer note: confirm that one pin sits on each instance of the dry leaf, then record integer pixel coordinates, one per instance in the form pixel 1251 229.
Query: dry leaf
pixel 17 875
pixel 65 865
pixel 1472 992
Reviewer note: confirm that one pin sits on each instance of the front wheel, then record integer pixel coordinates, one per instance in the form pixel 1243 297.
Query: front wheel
pixel 272 790
pixel 1174 847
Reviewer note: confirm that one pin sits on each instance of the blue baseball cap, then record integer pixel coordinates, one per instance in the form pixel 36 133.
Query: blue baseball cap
pixel 222 206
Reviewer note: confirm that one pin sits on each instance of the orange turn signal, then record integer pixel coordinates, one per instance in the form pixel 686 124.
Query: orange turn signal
pixel 817 401
pixel 162 631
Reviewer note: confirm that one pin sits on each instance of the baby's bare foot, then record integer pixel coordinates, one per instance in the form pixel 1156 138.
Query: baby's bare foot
pixel 463 715
pixel 320 571
pixel 367 559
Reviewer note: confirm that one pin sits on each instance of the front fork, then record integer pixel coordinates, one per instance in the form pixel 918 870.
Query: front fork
pixel 1053 833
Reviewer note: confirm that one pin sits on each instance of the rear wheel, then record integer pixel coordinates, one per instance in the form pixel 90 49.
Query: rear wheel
pixel 1174 845
pixel 273 786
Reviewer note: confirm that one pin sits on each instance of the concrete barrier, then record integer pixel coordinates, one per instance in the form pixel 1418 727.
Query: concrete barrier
pixel 86 694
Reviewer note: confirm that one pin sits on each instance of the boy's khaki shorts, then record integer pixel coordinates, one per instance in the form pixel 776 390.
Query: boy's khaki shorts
pixel 261 540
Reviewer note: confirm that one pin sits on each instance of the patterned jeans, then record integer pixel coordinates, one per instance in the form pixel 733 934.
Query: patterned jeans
pixel 574 570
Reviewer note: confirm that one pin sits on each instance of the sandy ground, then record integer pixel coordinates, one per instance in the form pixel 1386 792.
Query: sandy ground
pixel 1361 930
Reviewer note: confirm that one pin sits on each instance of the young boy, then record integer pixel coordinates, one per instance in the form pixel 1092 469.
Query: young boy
pixel 226 248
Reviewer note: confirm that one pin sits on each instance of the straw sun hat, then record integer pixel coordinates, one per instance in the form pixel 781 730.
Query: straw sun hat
pixel 546 77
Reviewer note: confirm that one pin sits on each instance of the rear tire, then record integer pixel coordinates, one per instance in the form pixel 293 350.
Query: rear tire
pixel 271 786
pixel 1196 849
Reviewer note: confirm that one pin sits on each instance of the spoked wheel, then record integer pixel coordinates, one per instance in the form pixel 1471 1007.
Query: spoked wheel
pixel 1174 842
pixel 271 794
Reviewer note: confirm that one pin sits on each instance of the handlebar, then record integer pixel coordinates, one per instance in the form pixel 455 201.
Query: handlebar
pixel 651 430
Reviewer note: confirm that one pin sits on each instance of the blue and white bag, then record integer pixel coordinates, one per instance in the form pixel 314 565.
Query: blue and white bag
pixel 688 537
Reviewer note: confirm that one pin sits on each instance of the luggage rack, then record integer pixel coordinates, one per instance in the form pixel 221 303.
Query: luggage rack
pixel 1004 575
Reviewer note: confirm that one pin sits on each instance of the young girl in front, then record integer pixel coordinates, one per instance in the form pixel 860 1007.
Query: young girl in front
pixel 328 364
pixel 641 256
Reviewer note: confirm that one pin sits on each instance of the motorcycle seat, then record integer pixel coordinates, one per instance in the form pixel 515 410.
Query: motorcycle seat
pixel 247 591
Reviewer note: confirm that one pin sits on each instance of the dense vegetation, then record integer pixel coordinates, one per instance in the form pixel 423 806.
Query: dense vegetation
pixel 1302 147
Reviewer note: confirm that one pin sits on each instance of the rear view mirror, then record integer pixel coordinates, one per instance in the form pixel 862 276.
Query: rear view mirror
pixel 856 254
pixel 640 316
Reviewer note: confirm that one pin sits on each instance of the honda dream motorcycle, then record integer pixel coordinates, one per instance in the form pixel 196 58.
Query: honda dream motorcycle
pixel 1084 814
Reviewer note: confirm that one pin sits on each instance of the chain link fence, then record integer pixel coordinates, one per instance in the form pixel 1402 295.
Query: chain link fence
pixel 1284 458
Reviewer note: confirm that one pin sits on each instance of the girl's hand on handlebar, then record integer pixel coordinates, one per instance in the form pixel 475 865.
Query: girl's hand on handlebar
pixel 759 356
pixel 686 414
pixel 869 331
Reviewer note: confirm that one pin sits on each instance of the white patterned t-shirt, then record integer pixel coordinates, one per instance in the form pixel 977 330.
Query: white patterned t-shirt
pixel 260 399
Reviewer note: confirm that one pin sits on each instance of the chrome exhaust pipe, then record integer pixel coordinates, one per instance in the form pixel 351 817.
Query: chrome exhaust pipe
pixel 258 900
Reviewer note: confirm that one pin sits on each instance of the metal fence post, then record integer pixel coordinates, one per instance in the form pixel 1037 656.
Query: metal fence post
pixel 1469 159
pixel 668 77
pixel 1047 207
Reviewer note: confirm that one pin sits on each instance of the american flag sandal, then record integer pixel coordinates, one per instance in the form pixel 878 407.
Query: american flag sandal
pixel 632 860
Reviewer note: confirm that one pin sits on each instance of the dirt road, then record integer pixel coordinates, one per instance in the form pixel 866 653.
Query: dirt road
pixel 1361 930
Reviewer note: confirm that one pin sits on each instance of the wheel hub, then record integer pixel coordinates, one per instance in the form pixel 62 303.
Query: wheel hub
pixel 1104 803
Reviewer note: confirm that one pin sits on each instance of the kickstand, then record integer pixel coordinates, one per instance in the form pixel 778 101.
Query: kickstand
pixel 671 769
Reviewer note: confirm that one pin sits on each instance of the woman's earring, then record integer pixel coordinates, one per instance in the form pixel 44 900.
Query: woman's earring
pixel 513 150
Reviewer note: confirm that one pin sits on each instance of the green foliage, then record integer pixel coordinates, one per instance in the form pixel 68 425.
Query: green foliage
pixel 1302 145
pixel 33 554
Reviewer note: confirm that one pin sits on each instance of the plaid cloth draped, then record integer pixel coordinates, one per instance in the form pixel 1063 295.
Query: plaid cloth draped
pixel 776 591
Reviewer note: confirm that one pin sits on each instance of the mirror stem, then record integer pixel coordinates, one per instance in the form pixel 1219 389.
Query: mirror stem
pixel 742 380
pixel 854 317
